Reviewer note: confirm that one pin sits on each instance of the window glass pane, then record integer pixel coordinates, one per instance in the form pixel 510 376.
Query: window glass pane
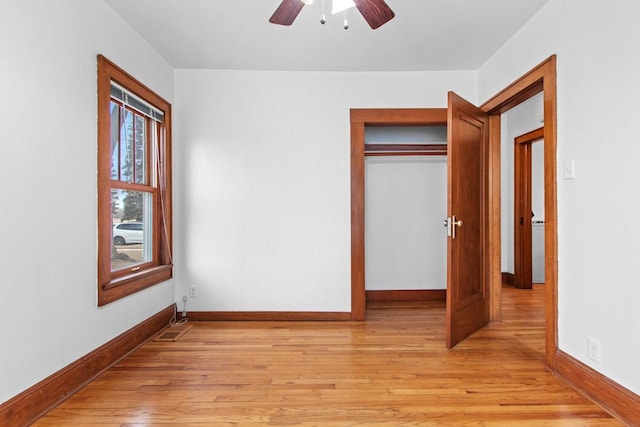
pixel 126 148
pixel 140 150
pixel 114 110
pixel 131 234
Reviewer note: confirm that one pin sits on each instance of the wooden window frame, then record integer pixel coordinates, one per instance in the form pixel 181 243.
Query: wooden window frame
pixel 116 285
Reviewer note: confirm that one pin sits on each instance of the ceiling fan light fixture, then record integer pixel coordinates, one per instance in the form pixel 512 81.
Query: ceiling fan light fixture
pixel 341 5
pixel 375 12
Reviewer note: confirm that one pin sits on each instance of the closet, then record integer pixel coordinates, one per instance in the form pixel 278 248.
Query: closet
pixel 405 204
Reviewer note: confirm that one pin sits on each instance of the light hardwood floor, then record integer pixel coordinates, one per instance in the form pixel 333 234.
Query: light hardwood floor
pixel 392 369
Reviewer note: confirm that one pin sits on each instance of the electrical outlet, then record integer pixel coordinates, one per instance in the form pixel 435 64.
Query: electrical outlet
pixel 193 291
pixel 594 350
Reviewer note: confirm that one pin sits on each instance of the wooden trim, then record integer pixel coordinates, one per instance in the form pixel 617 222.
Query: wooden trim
pixel 541 79
pixel 508 278
pixel 359 119
pixel 405 153
pixel 120 287
pixel 615 399
pixel 400 116
pixel 530 84
pixel 358 301
pixel 526 92
pixel 407 295
pixel 534 135
pixel 494 263
pixel 28 406
pixel 268 315
pixel 405 149
pixel 144 188
pixel 104 178
pixel 551 209
pixel 160 269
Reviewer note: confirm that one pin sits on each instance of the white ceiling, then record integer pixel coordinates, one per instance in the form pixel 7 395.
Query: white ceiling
pixel 236 34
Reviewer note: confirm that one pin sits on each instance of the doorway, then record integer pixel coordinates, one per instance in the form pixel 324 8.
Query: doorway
pixel 360 118
pixel 541 79
pixel 528 218
pixel 405 201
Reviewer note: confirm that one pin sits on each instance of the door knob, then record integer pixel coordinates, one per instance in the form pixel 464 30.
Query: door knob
pixel 454 224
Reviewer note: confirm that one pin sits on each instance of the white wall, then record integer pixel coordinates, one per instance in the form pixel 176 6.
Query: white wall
pixel 48 146
pixel 405 204
pixel 537 180
pixel 599 240
pixel 537 206
pixel 263 181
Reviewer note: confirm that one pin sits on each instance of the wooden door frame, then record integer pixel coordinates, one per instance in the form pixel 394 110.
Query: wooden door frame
pixel 542 78
pixel 359 119
pixel 522 243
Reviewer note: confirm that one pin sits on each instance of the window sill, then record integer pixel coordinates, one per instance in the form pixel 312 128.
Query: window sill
pixel 132 283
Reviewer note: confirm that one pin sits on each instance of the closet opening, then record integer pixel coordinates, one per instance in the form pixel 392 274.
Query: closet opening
pixel 405 203
pixel 362 119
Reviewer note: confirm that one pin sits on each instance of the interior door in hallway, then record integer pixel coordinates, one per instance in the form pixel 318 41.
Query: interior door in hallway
pixel 467 284
pixel 523 208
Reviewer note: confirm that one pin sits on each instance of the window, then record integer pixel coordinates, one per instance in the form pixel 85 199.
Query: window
pixel 134 185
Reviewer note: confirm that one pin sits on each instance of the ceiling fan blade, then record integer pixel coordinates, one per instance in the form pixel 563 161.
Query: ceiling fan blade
pixel 375 12
pixel 287 12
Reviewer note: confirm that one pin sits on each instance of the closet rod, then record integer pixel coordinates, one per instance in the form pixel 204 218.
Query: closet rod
pixel 405 149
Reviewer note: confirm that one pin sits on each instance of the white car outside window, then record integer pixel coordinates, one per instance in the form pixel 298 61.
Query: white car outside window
pixel 127 232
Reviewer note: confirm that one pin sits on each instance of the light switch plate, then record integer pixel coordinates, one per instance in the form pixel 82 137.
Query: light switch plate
pixel 569 169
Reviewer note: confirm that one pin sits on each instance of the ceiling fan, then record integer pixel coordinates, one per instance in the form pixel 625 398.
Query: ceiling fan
pixel 375 12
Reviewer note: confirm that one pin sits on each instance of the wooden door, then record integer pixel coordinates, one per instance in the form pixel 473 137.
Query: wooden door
pixel 467 284
pixel 522 268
